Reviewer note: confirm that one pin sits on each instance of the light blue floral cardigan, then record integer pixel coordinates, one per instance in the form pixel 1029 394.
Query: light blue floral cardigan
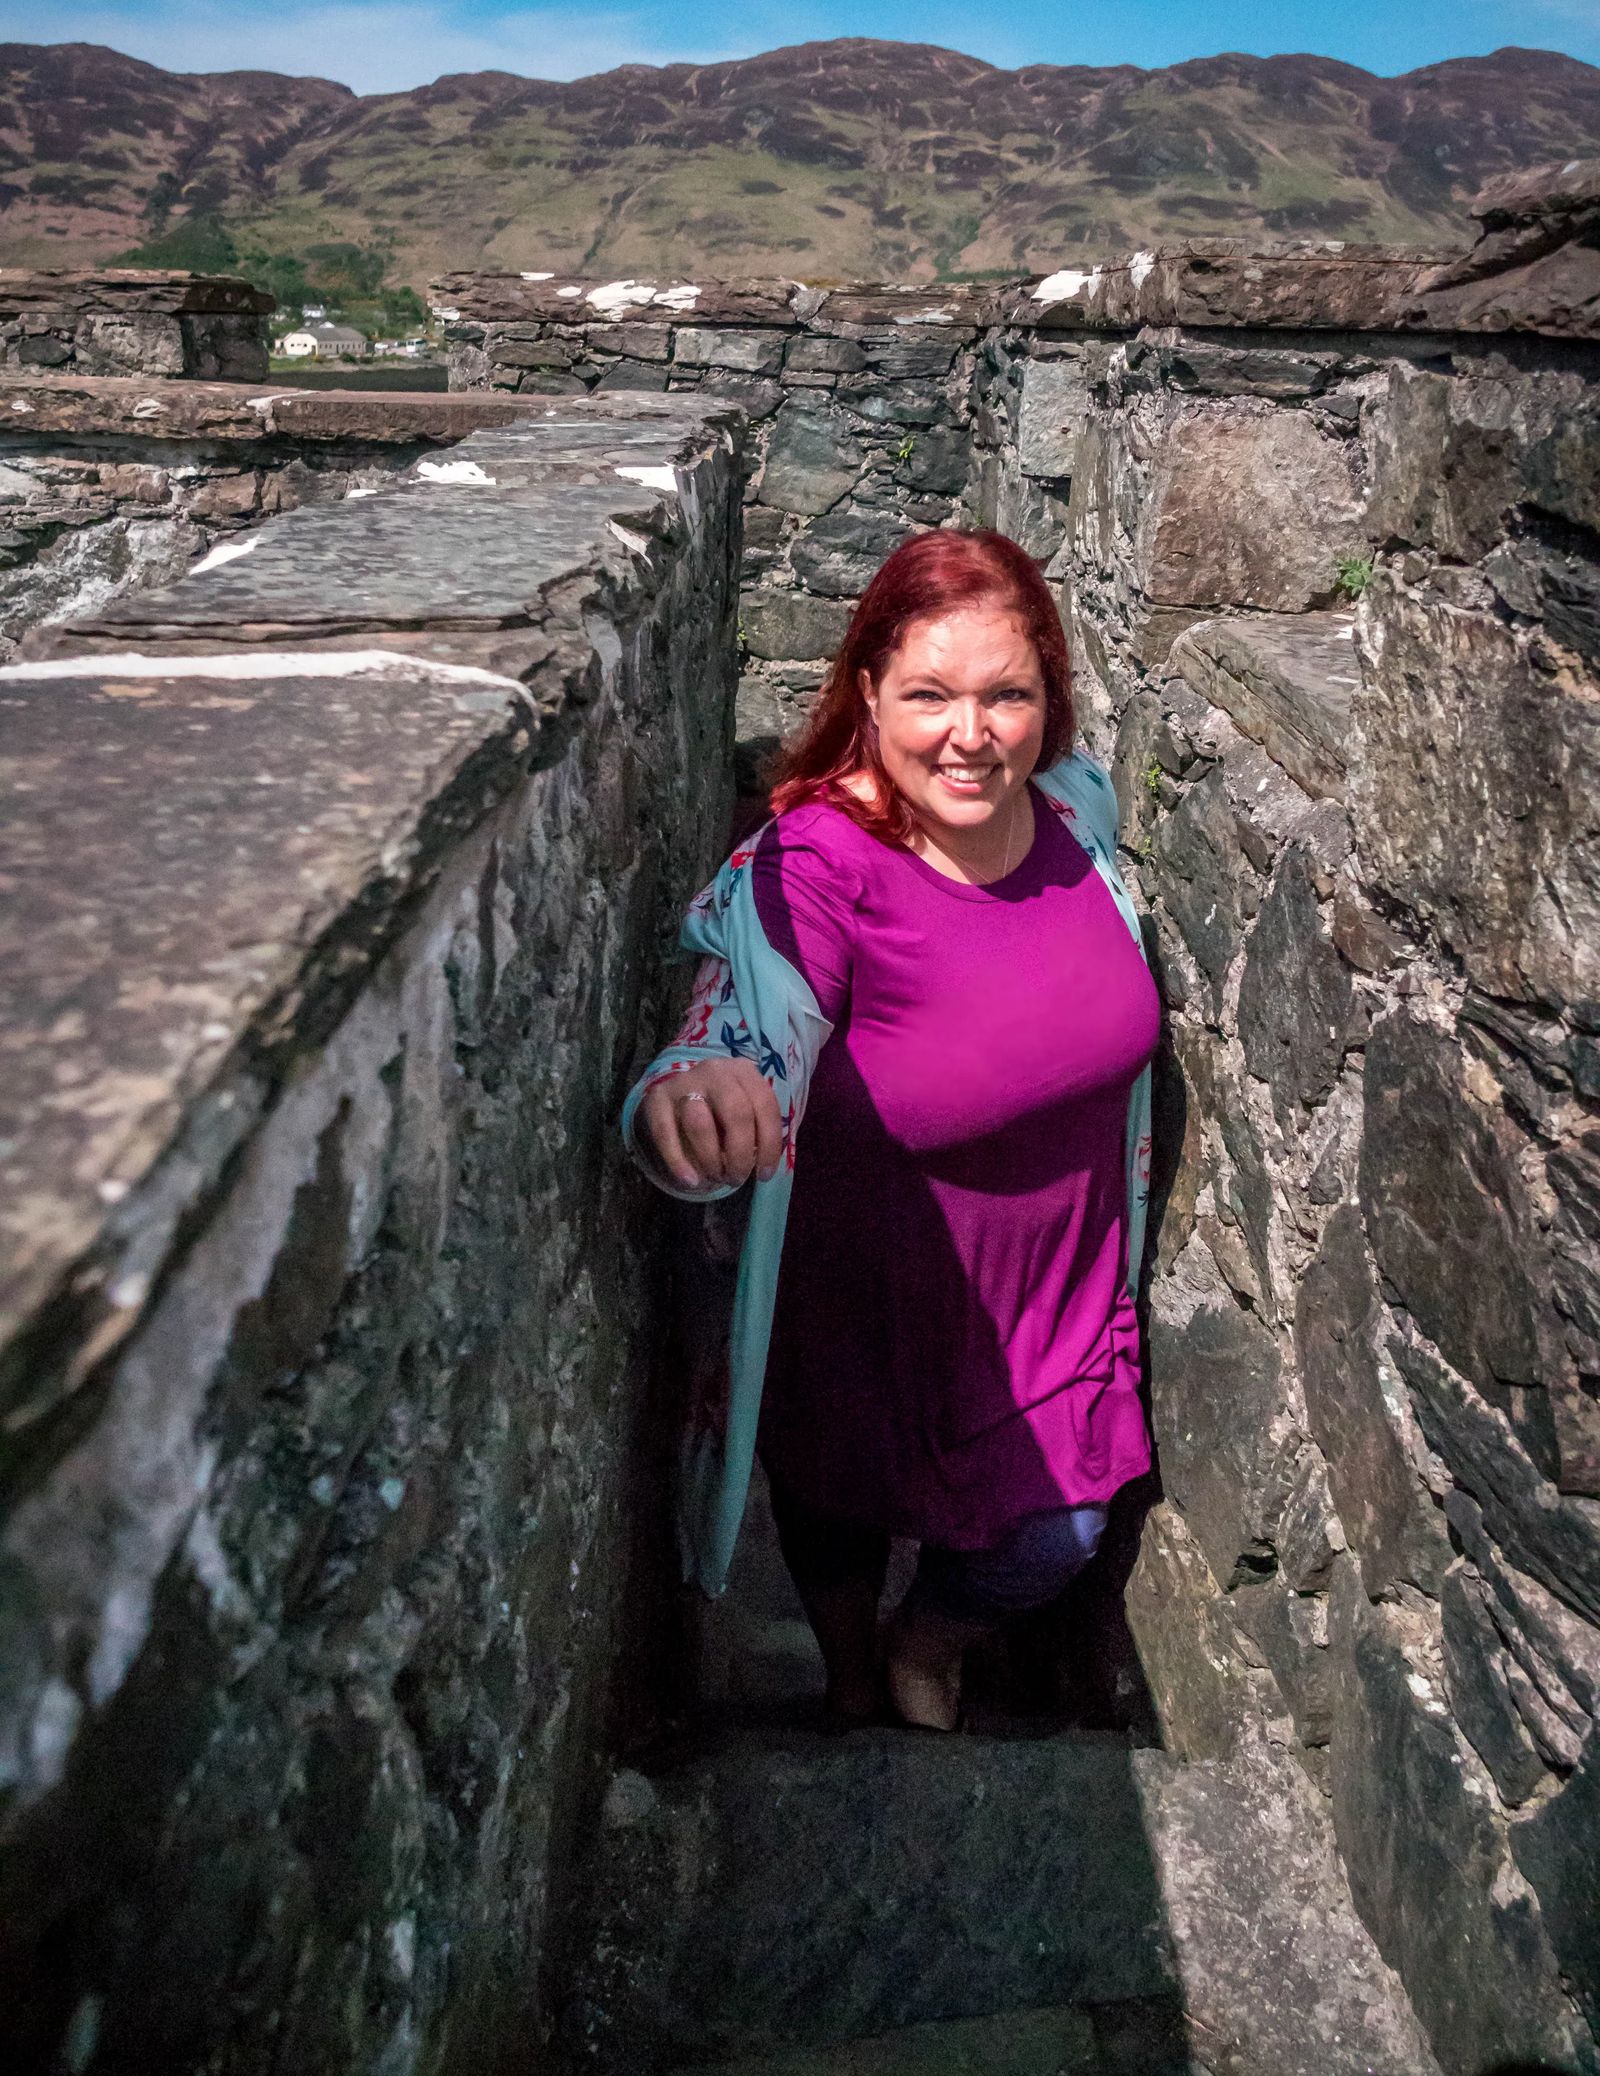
pixel 750 1003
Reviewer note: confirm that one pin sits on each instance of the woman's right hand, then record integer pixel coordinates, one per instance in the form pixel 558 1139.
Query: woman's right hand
pixel 715 1123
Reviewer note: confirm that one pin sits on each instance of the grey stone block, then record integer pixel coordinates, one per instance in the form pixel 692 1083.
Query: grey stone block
pixel 1481 1973
pixel 791 625
pixel 1222 1427
pixel 1451 1225
pixel 1475 1678
pixel 1286 681
pixel 1295 998
pixel 1387 1512
pixel 750 353
pixel 1055 403
pixel 839 553
pixel 812 460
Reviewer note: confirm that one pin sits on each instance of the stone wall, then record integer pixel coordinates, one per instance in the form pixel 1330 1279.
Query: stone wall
pixel 333 931
pixel 109 485
pixel 1325 527
pixel 133 321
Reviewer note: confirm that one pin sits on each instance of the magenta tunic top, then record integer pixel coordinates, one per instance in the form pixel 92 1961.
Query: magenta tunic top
pixel 954 1346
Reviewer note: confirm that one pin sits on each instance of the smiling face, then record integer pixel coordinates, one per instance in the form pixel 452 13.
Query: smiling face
pixel 960 708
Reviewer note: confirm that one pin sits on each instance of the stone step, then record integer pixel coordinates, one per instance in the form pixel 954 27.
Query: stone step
pixel 1144 2039
pixel 775 1891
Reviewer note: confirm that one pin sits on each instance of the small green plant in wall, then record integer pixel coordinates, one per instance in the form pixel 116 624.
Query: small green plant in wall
pixel 1351 575
pixel 906 448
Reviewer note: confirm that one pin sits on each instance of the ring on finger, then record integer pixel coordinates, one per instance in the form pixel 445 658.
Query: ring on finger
pixel 693 1095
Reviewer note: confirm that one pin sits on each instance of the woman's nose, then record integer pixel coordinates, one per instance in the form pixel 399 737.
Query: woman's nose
pixel 968 724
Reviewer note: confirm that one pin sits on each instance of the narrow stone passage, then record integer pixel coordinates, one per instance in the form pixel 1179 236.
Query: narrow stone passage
pixel 1033 1899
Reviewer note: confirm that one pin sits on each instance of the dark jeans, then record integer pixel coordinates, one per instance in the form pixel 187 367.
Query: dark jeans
pixel 1026 1569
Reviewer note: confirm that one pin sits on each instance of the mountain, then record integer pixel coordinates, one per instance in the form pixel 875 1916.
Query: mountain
pixel 849 159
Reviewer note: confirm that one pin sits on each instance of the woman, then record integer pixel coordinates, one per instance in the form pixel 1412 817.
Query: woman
pixel 926 952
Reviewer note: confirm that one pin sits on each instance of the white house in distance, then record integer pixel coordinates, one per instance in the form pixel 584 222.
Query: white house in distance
pixel 325 342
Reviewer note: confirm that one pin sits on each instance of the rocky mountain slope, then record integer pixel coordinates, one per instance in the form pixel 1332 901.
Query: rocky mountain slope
pixel 825 161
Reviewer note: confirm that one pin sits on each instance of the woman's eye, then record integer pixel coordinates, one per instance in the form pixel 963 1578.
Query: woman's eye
pixel 927 698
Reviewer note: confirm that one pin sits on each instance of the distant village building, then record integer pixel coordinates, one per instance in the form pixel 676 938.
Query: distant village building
pixel 325 342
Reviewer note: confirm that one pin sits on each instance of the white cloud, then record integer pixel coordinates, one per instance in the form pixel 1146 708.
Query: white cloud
pixel 376 46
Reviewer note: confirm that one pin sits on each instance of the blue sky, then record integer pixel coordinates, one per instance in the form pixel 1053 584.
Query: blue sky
pixel 379 45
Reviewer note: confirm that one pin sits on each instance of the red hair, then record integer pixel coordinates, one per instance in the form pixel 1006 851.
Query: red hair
pixel 932 573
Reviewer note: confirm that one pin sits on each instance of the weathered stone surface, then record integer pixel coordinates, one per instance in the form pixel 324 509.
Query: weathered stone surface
pixel 812 460
pixel 326 1320
pixel 1247 506
pixel 634 341
pixel 1018 2043
pixel 907 349
pixel 1475 791
pixel 1294 995
pixel 134 321
pixel 937 463
pixel 1553 1848
pixel 1455 455
pixel 632 375
pixel 791 624
pixel 1315 284
pixel 1574 1172
pixel 1197 848
pixel 1054 404
pixel 556 298
pixel 1286 681
pixel 1200 364
pixel 1222 1431
pixel 1555 1538
pixel 1201 1686
pixel 1448 1215
pixel 896 403
pixel 1475 1678
pixel 1481 1973
pixel 697 1953
pixel 1551 1641
pixel 1387 1512
pixel 816 354
pixel 1536 265
pixel 1290 1630
pixel 839 553
pixel 752 353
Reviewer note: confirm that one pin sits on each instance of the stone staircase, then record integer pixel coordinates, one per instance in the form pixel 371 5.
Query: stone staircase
pixel 769 1898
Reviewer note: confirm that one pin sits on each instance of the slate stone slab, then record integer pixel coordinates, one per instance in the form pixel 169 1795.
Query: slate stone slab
pixel 1054 405
pixel 1220 1426
pixel 1295 998
pixel 1202 873
pixel 1554 1848
pixel 1475 780
pixel 751 353
pixel 839 553
pixel 791 625
pixel 160 921
pixel 1247 506
pixel 1448 1214
pixel 1535 266
pixel 1389 1515
pixel 905 1899
pixel 1182 1625
pixel 812 459
pixel 1284 680
pixel 1555 1538
pixel 1475 1678
pixel 1481 1973
pixel 475 544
